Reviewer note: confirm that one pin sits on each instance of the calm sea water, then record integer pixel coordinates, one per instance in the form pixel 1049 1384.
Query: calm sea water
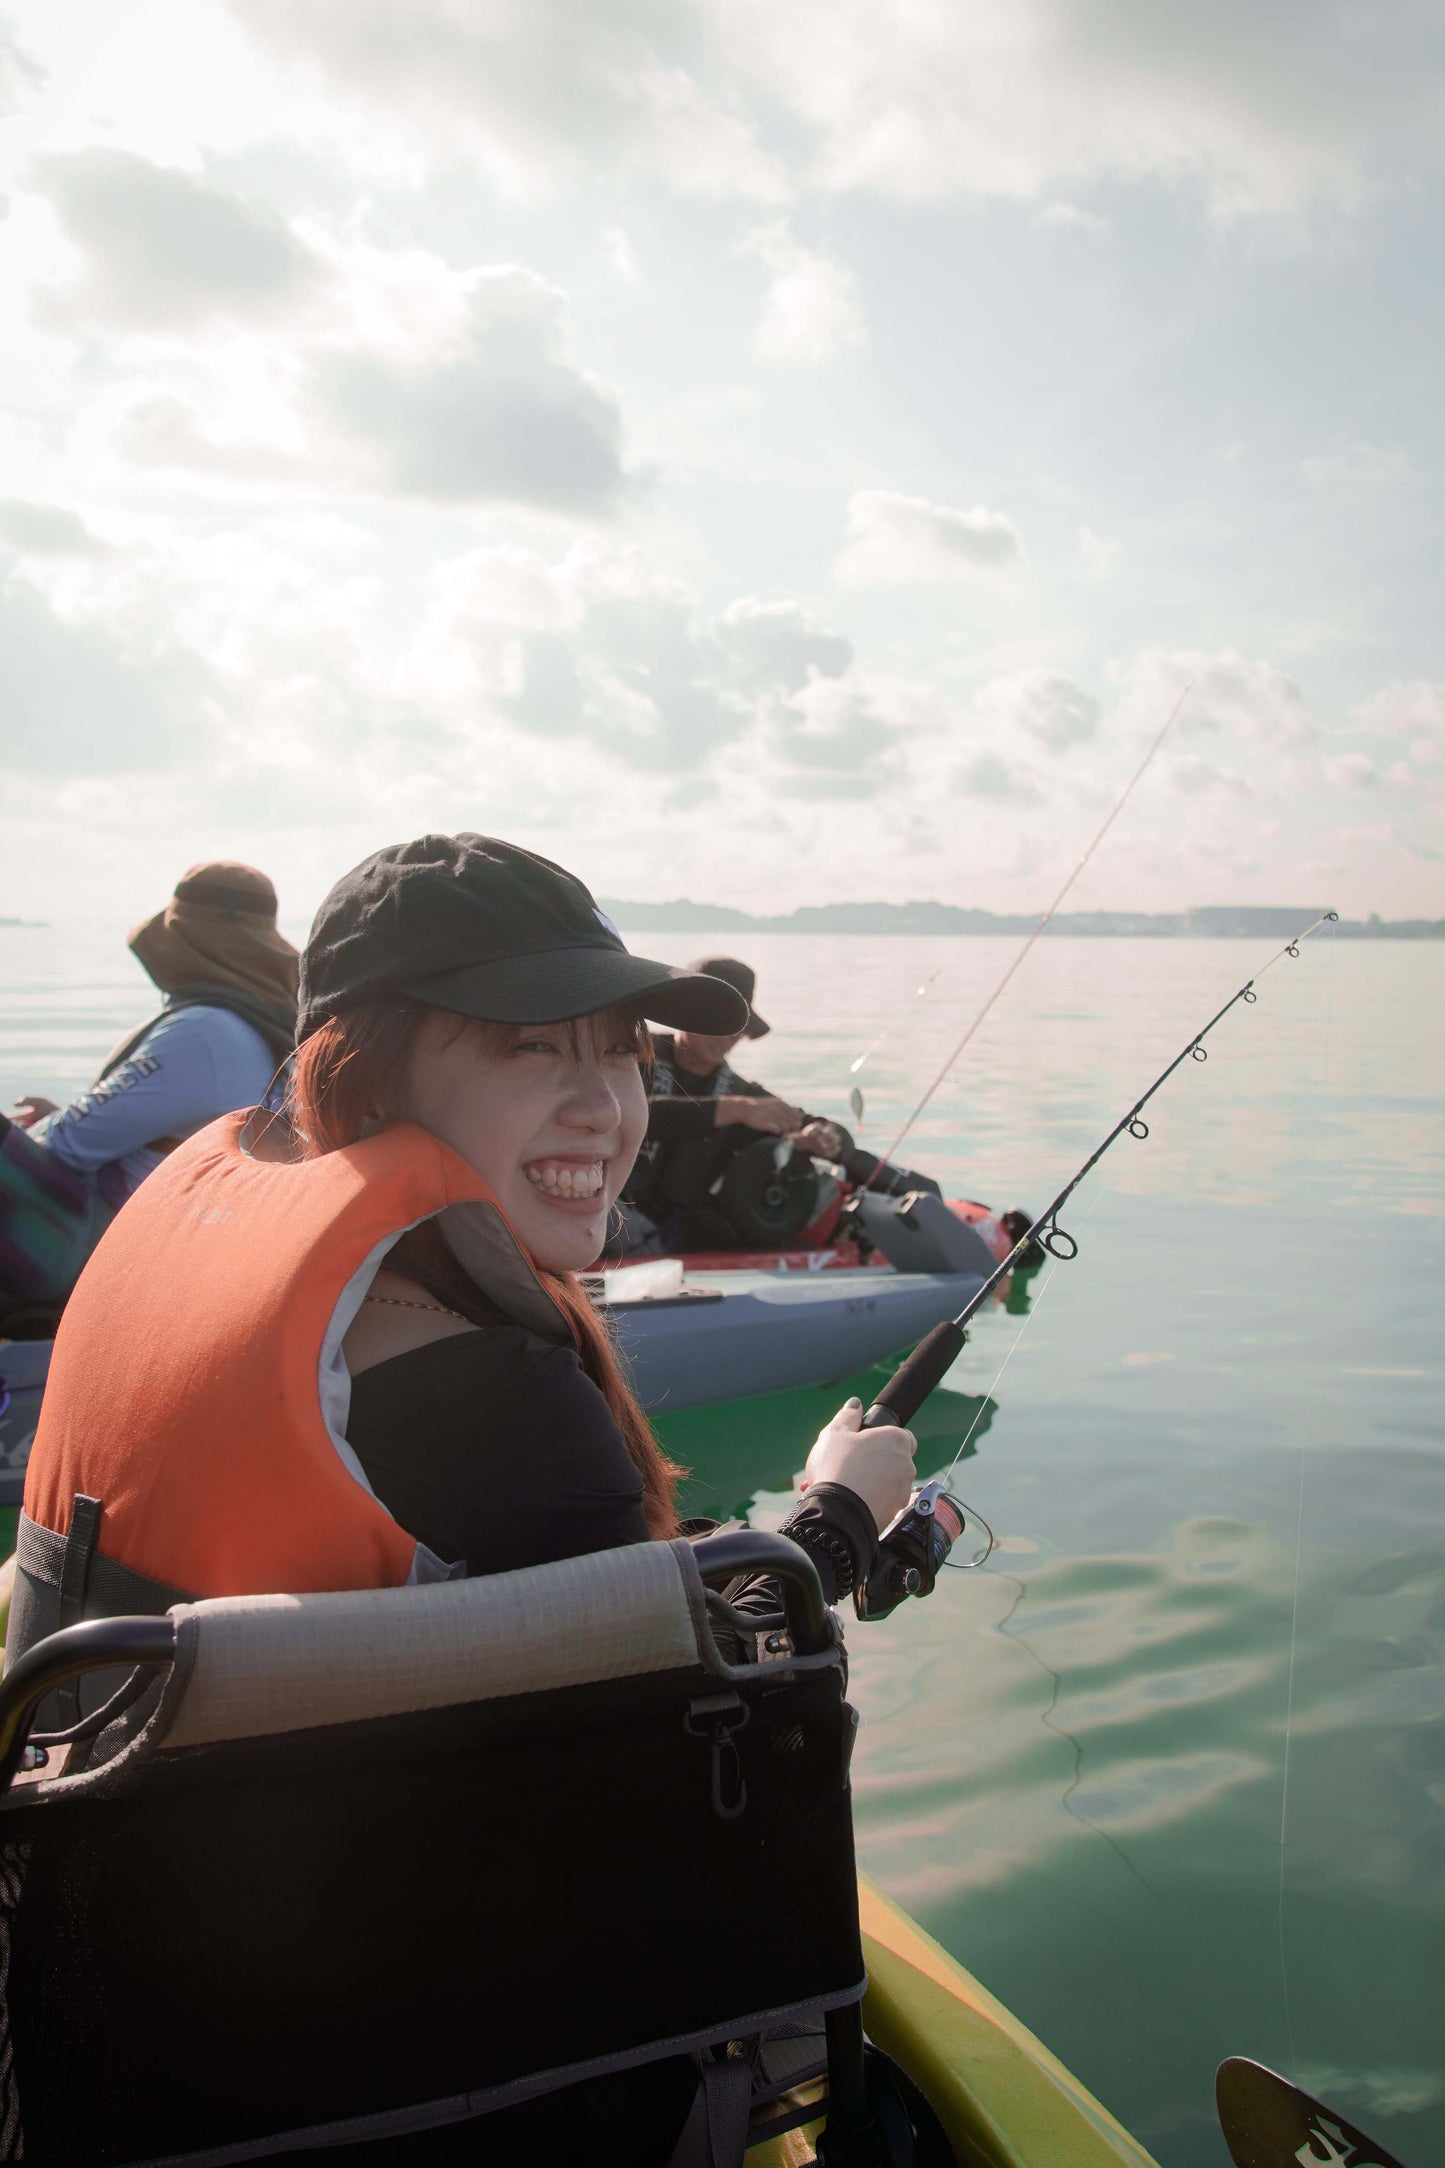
pixel 1214 1467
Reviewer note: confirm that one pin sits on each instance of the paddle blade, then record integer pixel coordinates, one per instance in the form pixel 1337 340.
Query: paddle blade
pixel 1269 2123
pixel 855 1098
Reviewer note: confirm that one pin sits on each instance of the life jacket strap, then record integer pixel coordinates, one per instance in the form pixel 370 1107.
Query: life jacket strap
pixel 75 1561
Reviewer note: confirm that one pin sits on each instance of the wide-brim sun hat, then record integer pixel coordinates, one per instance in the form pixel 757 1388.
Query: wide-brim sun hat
pixel 482 928
pixel 219 929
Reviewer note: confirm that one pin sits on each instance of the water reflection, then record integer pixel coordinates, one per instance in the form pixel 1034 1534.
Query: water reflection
pixel 746 1449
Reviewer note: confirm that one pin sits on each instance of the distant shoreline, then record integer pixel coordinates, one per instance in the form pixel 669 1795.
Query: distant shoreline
pixel 1210 922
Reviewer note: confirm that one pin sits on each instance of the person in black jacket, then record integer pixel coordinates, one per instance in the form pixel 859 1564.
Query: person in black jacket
pixel 703 1180
pixel 700 1112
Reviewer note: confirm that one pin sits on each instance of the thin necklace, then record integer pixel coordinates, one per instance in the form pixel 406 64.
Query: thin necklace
pixel 400 1302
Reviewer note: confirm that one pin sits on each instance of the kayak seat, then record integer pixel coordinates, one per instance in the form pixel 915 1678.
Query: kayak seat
pixel 365 1870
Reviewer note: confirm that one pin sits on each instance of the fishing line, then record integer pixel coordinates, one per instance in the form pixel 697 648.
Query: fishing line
pixel 1290 1709
pixel 1038 930
pixel 1299 1527
pixel 1020 1589
pixel 892 1025
pixel 1061 1731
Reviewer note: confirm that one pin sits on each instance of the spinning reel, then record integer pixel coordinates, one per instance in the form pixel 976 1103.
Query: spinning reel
pixel 912 1551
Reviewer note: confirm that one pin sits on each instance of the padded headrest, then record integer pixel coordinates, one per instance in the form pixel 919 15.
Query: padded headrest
pixel 248 1666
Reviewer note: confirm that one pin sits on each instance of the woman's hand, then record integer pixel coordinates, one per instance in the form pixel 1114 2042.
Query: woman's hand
pixel 773 1116
pixel 32 1109
pixel 876 1464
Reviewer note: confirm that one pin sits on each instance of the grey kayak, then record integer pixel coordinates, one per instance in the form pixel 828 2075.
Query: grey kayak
pixel 730 1334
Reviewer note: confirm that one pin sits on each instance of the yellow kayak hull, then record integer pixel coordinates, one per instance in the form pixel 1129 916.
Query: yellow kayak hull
pixel 1004 2101
pixel 1002 2098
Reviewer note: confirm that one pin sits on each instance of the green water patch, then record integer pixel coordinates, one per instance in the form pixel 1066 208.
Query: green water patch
pixel 736 1448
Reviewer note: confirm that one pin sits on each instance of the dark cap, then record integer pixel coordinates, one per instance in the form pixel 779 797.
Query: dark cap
pixel 742 978
pixel 480 927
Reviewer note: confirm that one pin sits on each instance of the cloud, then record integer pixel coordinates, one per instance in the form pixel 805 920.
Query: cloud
pixel 164 250
pixel 19 74
pixel 1049 707
pixel 1226 691
pixel 1353 464
pixel 46 530
pixel 891 540
pixel 82 700
pixel 417 380
pixel 777 644
pixel 595 647
pixel 600 650
pixel 1098 560
pixel 1259 113
pixel 811 308
pixel 834 738
pixel 1414 712
pixel 540 90
pixel 498 412
pixel 1071 218
pixel 988 775
pixel 1351 771
pixel 1256 113
pixel 165 431
pixel 617 246
pixel 1195 776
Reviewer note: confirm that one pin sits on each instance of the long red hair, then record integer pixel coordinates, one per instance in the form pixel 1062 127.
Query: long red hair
pixel 355 1065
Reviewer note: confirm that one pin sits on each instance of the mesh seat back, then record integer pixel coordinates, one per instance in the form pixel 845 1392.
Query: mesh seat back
pixel 430 1912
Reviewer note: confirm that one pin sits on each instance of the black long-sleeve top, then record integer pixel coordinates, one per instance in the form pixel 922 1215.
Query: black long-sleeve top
pixel 498 1449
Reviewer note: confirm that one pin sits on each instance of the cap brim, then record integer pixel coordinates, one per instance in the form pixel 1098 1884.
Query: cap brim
pixel 755 1028
pixel 563 983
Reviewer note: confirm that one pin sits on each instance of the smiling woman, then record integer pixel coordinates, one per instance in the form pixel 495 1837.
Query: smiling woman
pixel 348 1349
pixel 551 1116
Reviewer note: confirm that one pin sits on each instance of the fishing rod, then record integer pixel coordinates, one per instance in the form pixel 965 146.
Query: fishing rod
pixel 917 1542
pixel 1118 807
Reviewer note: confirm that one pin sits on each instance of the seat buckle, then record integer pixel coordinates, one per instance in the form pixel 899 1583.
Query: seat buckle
pixel 716 1717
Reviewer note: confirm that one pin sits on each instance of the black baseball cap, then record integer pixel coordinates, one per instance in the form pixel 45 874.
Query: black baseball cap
pixel 480 927
pixel 743 979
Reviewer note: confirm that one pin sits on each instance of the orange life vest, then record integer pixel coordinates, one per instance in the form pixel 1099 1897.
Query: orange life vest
pixel 197 1389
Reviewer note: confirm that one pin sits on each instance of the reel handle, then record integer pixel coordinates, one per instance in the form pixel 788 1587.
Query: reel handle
pixel 917 1376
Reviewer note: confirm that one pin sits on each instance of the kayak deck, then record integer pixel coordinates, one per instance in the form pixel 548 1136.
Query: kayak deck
pixel 1003 2100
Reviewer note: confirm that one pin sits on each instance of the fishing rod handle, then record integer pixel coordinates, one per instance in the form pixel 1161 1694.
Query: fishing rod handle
pixel 913 1380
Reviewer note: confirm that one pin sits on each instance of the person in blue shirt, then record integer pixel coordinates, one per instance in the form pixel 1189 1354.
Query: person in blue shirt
pixel 228 1024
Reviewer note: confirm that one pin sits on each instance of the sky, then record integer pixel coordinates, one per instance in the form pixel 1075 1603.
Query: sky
pixel 762 454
